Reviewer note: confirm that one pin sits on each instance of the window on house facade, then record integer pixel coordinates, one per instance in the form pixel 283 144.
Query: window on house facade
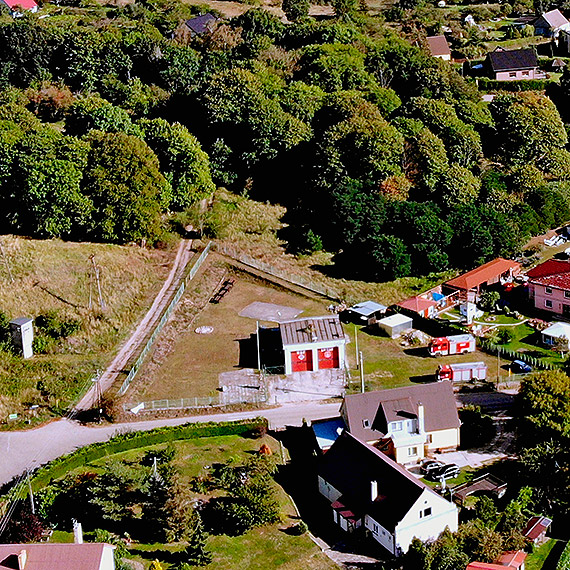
pixel 548 290
pixel 525 72
pixel 412 451
pixel 513 74
pixel 429 438
pixel 567 294
pixel 427 512
pixel 396 426
pixel 548 303
pixel 366 423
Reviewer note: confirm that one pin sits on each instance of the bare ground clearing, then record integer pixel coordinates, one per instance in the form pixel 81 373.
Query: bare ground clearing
pixel 186 364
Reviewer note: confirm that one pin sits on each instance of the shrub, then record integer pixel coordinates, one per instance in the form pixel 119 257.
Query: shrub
pixel 55 326
pixel 299 528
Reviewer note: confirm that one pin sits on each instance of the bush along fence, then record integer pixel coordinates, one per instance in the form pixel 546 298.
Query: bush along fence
pixel 564 561
pixel 134 440
pixel 486 84
pixel 493 348
pixel 149 343
pixel 280 274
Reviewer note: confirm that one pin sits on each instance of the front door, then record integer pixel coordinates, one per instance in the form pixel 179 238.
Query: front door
pixel 302 361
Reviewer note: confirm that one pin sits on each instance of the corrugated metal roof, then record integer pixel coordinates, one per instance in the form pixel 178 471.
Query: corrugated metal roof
pixel 308 330
pixel 367 308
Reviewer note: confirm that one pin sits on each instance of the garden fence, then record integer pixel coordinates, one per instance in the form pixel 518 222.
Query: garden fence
pixel 279 273
pixel 172 305
pixel 493 348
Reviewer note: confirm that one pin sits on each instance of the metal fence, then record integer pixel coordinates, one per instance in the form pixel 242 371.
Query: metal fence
pixel 284 275
pixel 172 305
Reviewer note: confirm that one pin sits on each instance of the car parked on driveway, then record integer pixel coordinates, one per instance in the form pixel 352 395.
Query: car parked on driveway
pixel 448 471
pixel 430 465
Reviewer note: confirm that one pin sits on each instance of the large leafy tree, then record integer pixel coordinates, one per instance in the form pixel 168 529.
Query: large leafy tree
pixel 123 180
pixel 183 162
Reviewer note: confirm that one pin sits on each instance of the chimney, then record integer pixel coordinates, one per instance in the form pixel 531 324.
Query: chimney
pixel 421 424
pixel 77 532
pixel 22 559
pixel 373 490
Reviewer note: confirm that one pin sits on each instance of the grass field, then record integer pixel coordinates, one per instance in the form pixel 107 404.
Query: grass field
pixel 53 275
pixel 258 549
pixel 387 364
pixel 536 560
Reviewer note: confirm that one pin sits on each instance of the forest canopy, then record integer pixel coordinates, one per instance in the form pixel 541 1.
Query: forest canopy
pixel 112 118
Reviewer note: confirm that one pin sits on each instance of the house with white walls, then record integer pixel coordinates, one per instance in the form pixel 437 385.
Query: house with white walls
pixel 406 423
pixel 315 343
pixel 368 489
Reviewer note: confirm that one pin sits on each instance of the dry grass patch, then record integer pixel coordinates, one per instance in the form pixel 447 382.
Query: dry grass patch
pixel 53 275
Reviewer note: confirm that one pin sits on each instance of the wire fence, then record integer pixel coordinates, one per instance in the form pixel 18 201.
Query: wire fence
pixel 493 348
pixel 172 305
pixel 279 273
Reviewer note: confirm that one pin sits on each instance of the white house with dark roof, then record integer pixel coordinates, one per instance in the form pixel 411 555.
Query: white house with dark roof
pixel 550 24
pixel 367 488
pixel 513 65
pixel 406 423
pixel 315 343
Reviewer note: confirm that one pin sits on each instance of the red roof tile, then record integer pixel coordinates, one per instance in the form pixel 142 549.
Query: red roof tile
pixel 535 527
pixel 417 304
pixel 513 559
pixel 24 4
pixel 554 273
pixel 484 566
pixel 487 272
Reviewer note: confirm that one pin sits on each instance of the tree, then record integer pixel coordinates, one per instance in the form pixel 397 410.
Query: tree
pixel 345 8
pixel 182 161
pixel 459 186
pixel 488 300
pixel 479 542
pixel 196 552
pixel 295 9
pixel 528 126
pixel 123 180
pixel 543 405
pixel 486 511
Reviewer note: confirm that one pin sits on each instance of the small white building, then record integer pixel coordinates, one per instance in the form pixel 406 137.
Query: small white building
pixel 365 487
pixel 22 330
pixel 395 325
pixel 311 344
pixel 556 331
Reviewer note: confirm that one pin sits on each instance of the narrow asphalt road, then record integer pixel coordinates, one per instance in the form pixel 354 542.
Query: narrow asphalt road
pixel 20 450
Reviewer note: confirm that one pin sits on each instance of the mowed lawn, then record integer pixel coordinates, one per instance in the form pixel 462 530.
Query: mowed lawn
pixel 388 364
pixel 196 360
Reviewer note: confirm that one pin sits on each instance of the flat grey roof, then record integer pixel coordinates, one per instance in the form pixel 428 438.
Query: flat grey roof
pixel 21 321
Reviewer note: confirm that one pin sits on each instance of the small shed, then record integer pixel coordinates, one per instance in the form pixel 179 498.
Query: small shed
pixel 554 332
pixel 22 330
pixel 202 24
pixel 536 528
pixel 395 325
pixel 365 313
pixel 438 47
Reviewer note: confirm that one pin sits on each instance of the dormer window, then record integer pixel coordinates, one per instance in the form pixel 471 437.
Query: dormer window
pixel 396 426
pixel 366 423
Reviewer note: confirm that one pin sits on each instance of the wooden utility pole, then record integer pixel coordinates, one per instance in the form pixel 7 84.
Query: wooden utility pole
pixel 98 281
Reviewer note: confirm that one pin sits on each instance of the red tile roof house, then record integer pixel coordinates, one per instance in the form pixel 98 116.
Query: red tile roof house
pixel 48 556
pixel 549 287
pixel 508 560
pixel 430 303
pixel 406 423
pixel 367 489
pixel 18 6
pixel 536 528
pixel 470 284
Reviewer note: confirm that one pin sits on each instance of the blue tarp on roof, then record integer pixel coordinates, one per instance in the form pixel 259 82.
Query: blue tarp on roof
pixel 326 431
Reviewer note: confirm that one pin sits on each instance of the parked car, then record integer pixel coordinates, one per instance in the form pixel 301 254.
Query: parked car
pixel 429 466
pixel 449 471
pixel 520 366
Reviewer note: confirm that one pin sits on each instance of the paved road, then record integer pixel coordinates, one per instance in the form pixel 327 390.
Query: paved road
pixel 136 340
pixel 32 448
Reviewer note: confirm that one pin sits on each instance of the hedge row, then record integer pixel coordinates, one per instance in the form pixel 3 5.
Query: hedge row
pixel 493 348
pixel 564 561
pixel 133 440
pixel 486 84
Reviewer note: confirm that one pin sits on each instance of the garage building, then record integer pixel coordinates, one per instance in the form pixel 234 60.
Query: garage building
pixel 315 343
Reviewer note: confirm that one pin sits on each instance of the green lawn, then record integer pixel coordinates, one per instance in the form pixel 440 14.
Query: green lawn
pixel 535 560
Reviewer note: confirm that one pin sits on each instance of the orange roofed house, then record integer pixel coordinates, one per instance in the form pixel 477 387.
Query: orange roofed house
pixel 549 286
pixel 507 561
pixel 471 284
